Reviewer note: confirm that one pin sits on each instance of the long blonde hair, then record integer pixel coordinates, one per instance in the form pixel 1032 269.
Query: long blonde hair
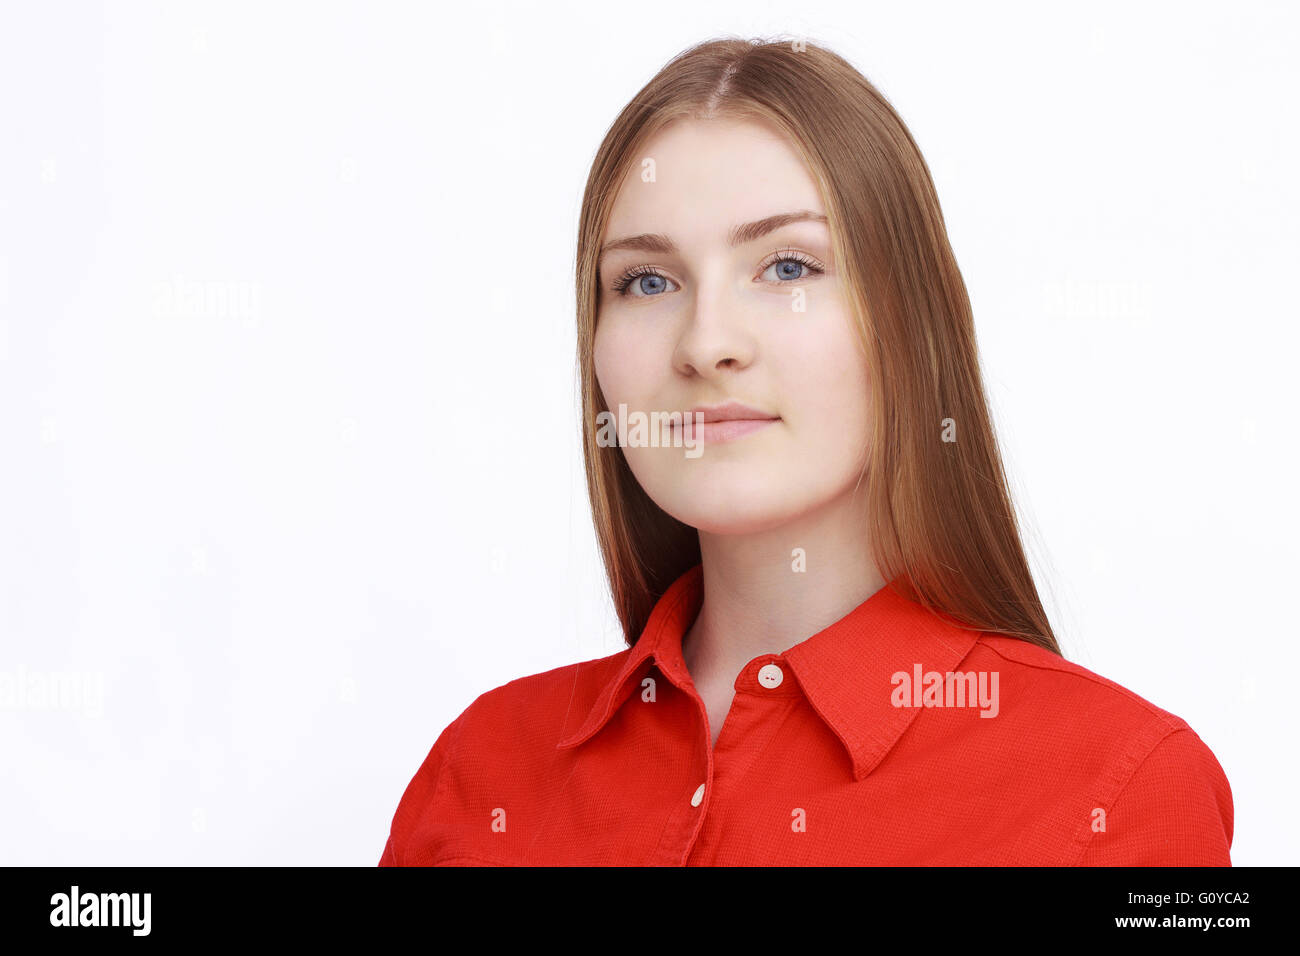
pixel 944 531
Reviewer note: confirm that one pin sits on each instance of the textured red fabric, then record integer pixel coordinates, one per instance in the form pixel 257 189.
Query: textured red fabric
pixel 599 762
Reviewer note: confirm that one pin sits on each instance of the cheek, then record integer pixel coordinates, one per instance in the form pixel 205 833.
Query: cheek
pixel 829 386
pixel 608 364
pixel 825 375
pixel 852 390
pixel 625 363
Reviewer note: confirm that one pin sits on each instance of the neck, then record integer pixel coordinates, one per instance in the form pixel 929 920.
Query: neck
pixel 757 601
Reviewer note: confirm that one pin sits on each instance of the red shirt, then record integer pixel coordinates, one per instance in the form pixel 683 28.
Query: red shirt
pixel 832 754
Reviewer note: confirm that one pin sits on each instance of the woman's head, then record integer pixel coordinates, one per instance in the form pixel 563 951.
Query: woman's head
pixel 707 295
pixel 854 329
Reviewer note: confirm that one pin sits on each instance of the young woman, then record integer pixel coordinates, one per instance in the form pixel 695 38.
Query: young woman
pixel 837 654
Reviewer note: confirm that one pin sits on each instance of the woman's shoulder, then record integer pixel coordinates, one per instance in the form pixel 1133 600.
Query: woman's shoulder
pixel 549 696
pixel 509 729
pixel 527 716
pixel 1147 763
pixel 1039 678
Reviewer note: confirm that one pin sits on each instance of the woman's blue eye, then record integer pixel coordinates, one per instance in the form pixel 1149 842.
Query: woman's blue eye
pixel 641 282
pixel 791 265
pixel 651 284
pixel 787 269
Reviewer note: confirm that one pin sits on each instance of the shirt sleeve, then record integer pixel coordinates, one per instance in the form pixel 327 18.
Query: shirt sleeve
pixel 1176 810
pixel 418 794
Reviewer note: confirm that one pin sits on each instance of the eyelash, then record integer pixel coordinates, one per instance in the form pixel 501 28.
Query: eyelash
pixel 785 255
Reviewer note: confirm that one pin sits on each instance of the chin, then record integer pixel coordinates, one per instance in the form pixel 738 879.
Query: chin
pixel 733 514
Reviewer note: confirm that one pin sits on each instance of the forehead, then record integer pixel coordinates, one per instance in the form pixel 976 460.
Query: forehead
pixel 710 175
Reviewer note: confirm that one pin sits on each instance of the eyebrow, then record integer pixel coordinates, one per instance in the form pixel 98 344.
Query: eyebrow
pixel 738 236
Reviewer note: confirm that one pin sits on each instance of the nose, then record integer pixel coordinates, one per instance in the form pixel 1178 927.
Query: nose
pixel 715 336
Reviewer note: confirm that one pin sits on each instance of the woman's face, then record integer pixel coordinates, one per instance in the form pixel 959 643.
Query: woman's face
pixel 692 318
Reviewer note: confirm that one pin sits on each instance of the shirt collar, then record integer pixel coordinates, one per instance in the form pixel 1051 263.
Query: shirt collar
pixel 845 670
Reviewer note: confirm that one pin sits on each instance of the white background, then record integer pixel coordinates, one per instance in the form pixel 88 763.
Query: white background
pixel 292 526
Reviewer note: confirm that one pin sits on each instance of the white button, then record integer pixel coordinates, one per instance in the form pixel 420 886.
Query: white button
pixel 699 797
pixel 769 675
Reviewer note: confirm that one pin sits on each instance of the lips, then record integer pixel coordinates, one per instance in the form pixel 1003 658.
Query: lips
pixel 729 412
pixel 713 424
